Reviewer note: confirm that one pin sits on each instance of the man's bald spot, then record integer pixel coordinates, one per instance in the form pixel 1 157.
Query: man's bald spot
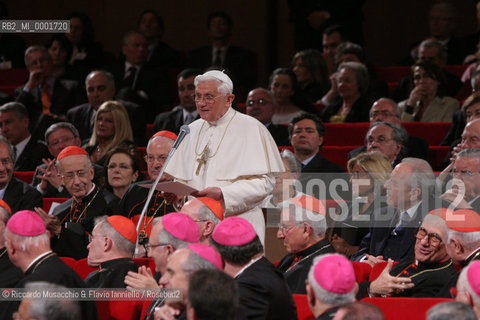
pixel 160 140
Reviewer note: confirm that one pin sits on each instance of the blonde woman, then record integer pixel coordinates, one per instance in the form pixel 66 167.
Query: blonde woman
pixel 111 129
pixel 369 171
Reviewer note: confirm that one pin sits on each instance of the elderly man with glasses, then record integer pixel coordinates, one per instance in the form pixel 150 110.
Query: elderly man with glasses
pixel 422 275
pixel 73 220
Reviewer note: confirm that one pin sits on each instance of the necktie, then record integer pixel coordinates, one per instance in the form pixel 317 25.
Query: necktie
pixel 130 77
pixel 218 58
pixel 188 118
pixel 46 99
pixel 404 220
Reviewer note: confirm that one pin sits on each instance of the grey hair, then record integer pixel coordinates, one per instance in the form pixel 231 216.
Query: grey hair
pixel 166 237
pixel 27 243
pixel 422 174
pixel 195 262
pixel 469 153
pixel 298 214
pixel 123 244
pixel 20 110
pixel 469 240
pixel 61 125
pixel 333 299
pixel 431 43
pixel 57 163
pixel 204 213
pixel 170 141
pixel 52 309
pixel 464 286
pixel 400 135
pixel 33 49
pixel 361 74
pixel 223 88
pixel 108 75
pixel 292 162
pixel 451 310
pixel 9 146
pixel 398 111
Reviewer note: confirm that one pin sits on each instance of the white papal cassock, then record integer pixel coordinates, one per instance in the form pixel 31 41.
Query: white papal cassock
pixel 242 160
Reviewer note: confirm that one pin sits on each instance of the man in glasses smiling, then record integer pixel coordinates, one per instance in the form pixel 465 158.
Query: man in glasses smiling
pixel 261 105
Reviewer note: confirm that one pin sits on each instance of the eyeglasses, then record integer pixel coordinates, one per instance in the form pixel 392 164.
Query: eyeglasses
pixel 260 101
pixel 209 99
pixel 149 246
pixel 71 175
pixel 114 166
pixel 91 237
pixel 61 140
pixel 284 228
pixel 433 238
pixel 384 113
pixel 6 161
pixel 380 140
pixel 152 158
pixel 463 173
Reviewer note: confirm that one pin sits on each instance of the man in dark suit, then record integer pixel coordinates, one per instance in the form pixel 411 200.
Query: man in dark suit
pixel 14 124
pixel 100 87
pixel 46 180
pixel 241 62
pixel 138 82
pixel 46 98
pixel 420 275
pixel 38 262
pixel 330 284
pixel 9 273
pixel 73 219
pixel 392 234
pixel 264 294
pixel 186 112
pixel 386 110
pixel 17 194
pixel 302 229
pixel 261 105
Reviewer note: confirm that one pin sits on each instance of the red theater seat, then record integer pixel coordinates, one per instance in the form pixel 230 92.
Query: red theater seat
pixel 337 154
pixel 69 261
pixel 83 269
pixel 457 70
pixel 142 151
pixel 149 131
pixel 303 310
pixel 405 308
pixel 345 134
pixel 433 132
pixel 377 269
pixel 362 271
pixel 10 79
pixel 47 202
pixel 119 310
pixel 436 155
pixel 25 176
pixel 392 73
pixel 147 262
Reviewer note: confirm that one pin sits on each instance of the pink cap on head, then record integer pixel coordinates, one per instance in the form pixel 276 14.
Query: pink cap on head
pixel 473 276
pixel 166 134
pixel 124 226
pixel 208 253
pixel 181 227
pixel 335 274
pixel 26 223
pixel 71 151
pixel 233 231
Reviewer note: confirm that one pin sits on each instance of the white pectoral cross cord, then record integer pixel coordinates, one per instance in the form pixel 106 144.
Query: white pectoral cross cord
pixel 202 160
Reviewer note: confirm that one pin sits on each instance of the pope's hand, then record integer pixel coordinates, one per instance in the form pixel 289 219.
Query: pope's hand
pixel 211 192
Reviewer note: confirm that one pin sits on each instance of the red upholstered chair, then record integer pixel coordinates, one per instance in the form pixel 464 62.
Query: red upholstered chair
pixel 303 310
pixel 47 202
pixel 437 154
pixel 433 132
pixel 142 151
pixel 10 79
pixel 149 131
pixel 392 73
pixel 148 262
pixel 25 176
pixel 377 269
pixel 319 106
pixel 345 134
pixel 69 261
pixel 456 70
pixel 362 271
pixel 83 269
pixel 405 308
pixel 337 154
pixel 119 310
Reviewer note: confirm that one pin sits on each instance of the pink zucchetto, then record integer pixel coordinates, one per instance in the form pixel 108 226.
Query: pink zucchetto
pixel 335 274
pixel 473 276
pixel 233 231
pixel 181 227
pixel 208 253
pixel 26 223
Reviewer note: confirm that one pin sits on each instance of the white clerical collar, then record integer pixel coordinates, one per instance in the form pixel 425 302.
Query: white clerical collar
pixel 38 258
pixel 306 161
pixel 247 265
pixel 223 119
pixel 89 192
pixel 19 147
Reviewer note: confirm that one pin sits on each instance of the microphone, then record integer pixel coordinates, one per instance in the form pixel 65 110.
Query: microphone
pixel 184 130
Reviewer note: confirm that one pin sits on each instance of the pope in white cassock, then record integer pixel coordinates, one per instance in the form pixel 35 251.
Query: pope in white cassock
pixel 228 156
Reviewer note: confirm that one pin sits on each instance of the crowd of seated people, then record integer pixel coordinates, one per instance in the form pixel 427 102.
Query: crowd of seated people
pixel 80 122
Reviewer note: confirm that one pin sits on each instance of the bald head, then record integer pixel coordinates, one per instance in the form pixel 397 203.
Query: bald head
pixel 386 110
pixel 260 105
pixel 471 135
pixel 158 149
